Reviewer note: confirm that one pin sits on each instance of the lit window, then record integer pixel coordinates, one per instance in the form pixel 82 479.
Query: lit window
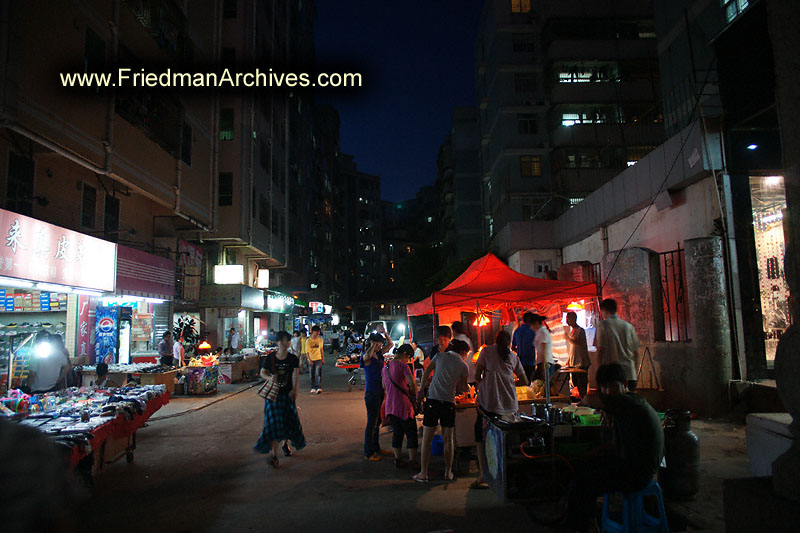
pixel 530 166
pixel 575 201
pixel 520 6
pixel 734 8
pixel 226 125
pixel 430 219
pixel 631 163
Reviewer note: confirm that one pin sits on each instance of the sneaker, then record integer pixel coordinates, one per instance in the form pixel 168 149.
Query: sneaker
pixel 373 457
pixel 319 391
pixel 386 452
pixel 313 391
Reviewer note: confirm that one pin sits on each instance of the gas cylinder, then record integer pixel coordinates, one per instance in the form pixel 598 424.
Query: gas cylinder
pixel 680 479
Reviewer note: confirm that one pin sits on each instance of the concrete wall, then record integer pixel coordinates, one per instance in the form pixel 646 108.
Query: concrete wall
pixel 691 215
pixel 524 261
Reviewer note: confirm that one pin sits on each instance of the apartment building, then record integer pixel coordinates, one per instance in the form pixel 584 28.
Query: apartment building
pixel 568 96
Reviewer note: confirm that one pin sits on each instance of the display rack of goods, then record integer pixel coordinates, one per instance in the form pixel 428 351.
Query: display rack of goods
pixel 95 422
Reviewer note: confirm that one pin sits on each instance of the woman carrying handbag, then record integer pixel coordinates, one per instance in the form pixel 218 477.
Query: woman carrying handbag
pixel 400 389
pixel 280 371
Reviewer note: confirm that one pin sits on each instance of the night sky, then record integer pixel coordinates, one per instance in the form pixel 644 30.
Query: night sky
pixel 417 59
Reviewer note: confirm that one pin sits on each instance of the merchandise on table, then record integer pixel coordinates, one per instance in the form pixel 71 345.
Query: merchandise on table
pixel 130 368
pixel 206 360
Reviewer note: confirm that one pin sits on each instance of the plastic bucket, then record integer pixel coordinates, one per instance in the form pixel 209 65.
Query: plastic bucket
pixel 437 446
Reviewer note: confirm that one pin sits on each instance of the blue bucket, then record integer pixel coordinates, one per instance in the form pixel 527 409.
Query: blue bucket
pixel 437 446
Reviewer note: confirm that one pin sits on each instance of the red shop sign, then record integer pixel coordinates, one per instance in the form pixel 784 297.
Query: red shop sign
pixel 38 251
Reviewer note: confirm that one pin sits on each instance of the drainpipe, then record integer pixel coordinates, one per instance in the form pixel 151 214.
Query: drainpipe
pixel 108 143
pixel 604 239
pixel 4 39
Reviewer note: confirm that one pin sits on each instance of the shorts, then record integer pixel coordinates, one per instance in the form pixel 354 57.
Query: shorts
pixel 437 412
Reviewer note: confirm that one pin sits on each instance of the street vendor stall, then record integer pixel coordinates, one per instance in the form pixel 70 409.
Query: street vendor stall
pixel 97 425
pixel 490 286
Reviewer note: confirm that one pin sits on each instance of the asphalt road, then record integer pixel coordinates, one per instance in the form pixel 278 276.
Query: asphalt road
pixel 198 472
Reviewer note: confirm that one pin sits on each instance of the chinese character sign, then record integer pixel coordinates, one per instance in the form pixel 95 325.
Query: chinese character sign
pixel 83 326
pixel 38 251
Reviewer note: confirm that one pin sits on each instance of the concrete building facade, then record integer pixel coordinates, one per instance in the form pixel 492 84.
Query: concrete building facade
pixel 568 95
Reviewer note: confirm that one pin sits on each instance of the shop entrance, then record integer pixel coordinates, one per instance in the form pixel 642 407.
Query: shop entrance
pixel 768 198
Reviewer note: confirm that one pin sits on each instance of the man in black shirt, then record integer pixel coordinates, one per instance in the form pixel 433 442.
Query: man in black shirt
pixel 637 448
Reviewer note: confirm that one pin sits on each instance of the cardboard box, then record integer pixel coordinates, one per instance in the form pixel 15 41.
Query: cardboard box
pixel 230 373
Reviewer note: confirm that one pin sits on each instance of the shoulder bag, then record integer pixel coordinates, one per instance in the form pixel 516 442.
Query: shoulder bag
pixel 269 390
pixel 414 402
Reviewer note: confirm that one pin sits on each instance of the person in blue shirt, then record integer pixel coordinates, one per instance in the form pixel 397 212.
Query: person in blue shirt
pixel 372 362
pixel 522 344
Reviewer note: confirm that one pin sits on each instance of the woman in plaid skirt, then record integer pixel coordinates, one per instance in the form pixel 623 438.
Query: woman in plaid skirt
pixel 281 422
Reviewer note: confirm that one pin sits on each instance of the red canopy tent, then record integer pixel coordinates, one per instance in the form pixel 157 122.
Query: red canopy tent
pixel 488 284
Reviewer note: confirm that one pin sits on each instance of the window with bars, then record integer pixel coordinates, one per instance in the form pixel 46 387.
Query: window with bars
pixel 226 124
pixel 530 166
pixel 734 8
pixel 88 206
pixel 225 189
pixel 523 42
pixel 524 82
pixel 527 124
pixel 673 288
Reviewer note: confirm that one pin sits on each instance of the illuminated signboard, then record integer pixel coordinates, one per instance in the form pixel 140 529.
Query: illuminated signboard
pixel 229 274
pixel 316 307
pixel 279 303
pixel 38 251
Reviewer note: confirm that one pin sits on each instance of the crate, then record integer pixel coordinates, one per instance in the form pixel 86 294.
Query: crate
pixel 163 378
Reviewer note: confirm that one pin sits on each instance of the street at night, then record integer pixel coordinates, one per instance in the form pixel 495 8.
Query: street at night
pixel 422 266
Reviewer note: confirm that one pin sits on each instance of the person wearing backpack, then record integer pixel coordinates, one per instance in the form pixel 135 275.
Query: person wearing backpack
pixel 400 387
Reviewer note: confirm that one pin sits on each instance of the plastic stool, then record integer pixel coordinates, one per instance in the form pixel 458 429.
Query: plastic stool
pixel 634 517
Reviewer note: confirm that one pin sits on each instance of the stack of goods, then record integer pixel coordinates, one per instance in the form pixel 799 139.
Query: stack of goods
pixel 73 416
pixel 467 398
pixel 205 360
pixel 231 358
pixel 131 368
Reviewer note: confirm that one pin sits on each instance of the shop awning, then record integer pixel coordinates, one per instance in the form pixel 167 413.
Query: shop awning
pixel 491 283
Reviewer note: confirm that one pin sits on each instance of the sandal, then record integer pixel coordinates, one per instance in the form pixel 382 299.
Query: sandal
pixel 419 479
pixel 274 461
pixel 451 477
pixel 286 451
pixel 478 485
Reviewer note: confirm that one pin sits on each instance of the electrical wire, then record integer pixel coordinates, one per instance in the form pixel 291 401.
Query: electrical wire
pixel 546 456
pixel 678 154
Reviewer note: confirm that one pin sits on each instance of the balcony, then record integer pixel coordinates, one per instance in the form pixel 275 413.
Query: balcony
pixel 580 181
pixel 597 9
pixel 602 92
pixel 600 50
pixel 608 134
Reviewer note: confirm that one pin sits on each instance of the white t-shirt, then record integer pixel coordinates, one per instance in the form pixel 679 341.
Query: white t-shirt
pixel 47 371
pixel 618 343
pixel 297 345
pixel 235 340
pixel 544 346
pixel 177 351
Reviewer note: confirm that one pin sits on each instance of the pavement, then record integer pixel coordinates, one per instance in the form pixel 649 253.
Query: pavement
pixel 195 470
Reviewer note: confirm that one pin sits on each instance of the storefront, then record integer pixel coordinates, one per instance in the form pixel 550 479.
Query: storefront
pixel 231 306
pixel 279 313
pixel 768 198
pixel 45 272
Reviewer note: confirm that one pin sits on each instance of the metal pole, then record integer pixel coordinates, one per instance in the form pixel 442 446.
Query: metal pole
pixel 433 318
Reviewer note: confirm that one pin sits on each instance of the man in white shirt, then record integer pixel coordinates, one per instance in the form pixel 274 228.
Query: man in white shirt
pixel 578 353
pixel 543 343
pixel 178 352
pixel 616 341
pixel 233 340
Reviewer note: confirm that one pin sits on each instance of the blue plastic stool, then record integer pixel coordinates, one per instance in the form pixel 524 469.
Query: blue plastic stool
pixel 634 517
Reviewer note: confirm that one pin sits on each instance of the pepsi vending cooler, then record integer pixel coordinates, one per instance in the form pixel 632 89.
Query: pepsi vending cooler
pixel 112 337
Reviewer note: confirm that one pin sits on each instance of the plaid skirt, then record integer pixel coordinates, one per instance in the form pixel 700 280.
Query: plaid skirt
pixel 280 423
